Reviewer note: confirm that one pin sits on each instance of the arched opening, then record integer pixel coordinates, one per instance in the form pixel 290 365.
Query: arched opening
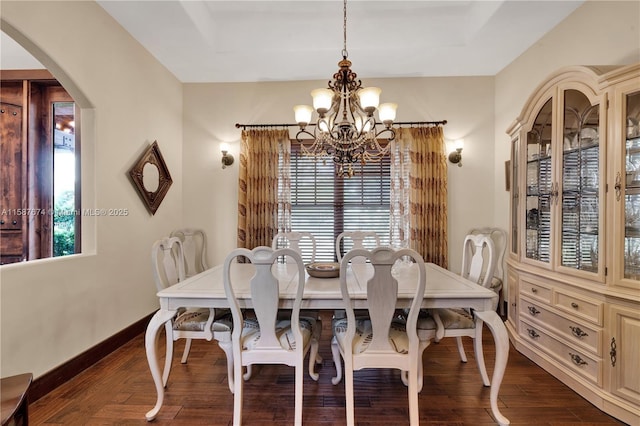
pixel 41 115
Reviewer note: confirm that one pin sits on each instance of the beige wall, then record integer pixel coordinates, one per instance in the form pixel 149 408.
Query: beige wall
pixel 211 111
pixel 54 309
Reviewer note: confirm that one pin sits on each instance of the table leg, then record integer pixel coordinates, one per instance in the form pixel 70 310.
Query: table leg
pixel 501 339
pixel 157 322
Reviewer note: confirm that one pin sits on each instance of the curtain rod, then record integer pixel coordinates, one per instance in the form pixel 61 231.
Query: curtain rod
pixel 399 123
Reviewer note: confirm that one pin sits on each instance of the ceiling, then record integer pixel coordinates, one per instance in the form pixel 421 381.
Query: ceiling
pixel 249 41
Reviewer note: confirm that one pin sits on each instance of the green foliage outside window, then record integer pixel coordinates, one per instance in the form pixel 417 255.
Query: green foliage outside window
pixel 64 224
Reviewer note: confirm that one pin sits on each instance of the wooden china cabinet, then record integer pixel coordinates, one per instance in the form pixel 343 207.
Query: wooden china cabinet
pixel 574 250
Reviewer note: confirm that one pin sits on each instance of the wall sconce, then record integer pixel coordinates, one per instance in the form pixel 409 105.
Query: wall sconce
pixel 456 156
pixel 227 159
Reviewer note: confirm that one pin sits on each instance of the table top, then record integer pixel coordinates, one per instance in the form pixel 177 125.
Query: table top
pixel 443 288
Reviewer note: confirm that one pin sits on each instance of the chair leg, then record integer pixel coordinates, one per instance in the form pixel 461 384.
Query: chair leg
pixel 168 327
pixel 414 410
pixel 185 354
pixel 501 302
pixel 228 350
pixel 423 345
pixel 477 347
pixel 313 354
pixel 299 388
pixel 463 356
pixel 237 394
pixel 404 376
pixel 439 325
pixel 335 350
pixel 247 374
pixel 348 392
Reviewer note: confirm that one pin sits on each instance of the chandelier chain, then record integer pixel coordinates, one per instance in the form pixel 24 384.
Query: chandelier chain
pixel 344 30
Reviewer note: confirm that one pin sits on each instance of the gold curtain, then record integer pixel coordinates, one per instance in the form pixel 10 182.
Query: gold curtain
pixel 262 185
pixel 425 181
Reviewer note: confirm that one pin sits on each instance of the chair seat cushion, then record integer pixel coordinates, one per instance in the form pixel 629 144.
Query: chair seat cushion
pixel 426 321
pixel 192 319
pixel 195 319
pixel 251 332
pixel 451 319
pixel 223 321
pixel 364 334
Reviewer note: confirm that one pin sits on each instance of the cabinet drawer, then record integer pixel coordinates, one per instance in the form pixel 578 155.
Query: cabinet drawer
pixel 576 360
pixel 586 337
pixel 532 309
pixel 536 291
pixel 582 307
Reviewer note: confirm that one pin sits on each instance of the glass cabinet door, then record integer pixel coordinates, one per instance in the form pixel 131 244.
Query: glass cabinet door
pixel 580 183
pixel 632 189
pixel 539 186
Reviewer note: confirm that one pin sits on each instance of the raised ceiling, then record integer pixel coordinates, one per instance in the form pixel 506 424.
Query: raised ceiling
pixel 248 41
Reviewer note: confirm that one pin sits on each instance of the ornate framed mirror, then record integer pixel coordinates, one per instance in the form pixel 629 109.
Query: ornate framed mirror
pixel 151 177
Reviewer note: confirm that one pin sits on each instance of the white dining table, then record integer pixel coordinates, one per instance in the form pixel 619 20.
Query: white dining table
pixel 444 289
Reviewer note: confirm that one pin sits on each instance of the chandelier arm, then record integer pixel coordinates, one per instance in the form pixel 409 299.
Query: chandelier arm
pixel 390 131
pixel 305 132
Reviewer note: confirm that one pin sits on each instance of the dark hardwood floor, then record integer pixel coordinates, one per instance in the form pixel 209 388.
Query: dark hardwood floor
pixel 119 391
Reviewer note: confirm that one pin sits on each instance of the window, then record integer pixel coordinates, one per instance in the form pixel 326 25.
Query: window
pixel 326 205
pixel 65 198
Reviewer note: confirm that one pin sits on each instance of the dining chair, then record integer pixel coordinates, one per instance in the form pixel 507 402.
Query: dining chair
pixel 302 242
pixel 478 264
pixel 383 339
pixel 349 240
pixel 167 259
pixel 267 337
pixel 194 246
pixel 499 238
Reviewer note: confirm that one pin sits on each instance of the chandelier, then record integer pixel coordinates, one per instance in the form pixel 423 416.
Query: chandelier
pixel 346 129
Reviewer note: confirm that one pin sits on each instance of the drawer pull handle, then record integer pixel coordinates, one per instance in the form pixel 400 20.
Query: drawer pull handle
pixel 577 360
pixel 613 352
pixel 534 290
pixel 532 333
pixel 533 311
pixel 577 331
pixel 574 305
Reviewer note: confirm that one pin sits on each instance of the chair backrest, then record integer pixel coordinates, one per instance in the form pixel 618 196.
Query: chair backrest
pixel 265 295
pixel 478 259
pixel 194 247
pixel 349 240
pixel 499 237
pixel 167 260
pixel 302 242
pixel 382 295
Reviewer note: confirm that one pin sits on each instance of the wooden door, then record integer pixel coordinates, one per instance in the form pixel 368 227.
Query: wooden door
pixel 12 206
